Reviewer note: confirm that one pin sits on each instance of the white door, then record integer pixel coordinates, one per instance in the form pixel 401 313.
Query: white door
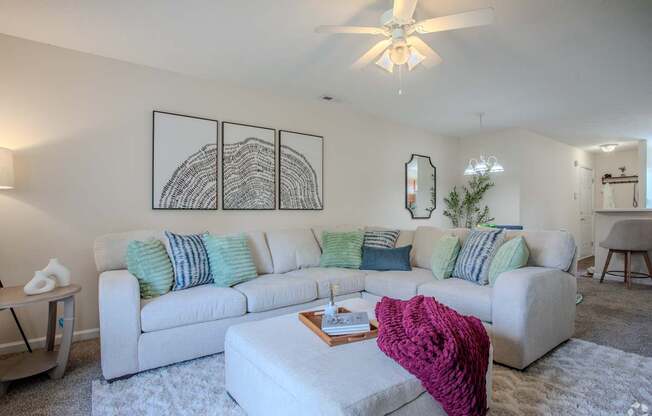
pixel 586 212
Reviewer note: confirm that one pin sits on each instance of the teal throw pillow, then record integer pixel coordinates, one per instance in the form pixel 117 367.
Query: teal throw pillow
pixel 230 259
pixel 510 256
pixel 342 249
pixel 444 256
pixel 149 262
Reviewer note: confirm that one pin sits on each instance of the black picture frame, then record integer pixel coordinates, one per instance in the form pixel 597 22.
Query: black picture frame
pixel 434 199
pixel 280 165
pixel 276 167
pixel 217 123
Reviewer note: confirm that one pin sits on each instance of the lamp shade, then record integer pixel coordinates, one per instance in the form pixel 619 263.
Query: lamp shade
pixel 6 169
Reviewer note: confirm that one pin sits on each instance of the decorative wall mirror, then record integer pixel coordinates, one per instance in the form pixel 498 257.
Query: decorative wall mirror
pixel 420 186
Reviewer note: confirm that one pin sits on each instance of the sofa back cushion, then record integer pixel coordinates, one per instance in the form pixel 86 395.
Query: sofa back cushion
pixel 424 245
pixel 293 249
pixel 405 238
pixel 554 249
pixel 111 249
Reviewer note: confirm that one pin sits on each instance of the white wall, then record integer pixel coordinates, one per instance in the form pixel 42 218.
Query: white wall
pixel 537 189
pixel 609 163
pixel 80 126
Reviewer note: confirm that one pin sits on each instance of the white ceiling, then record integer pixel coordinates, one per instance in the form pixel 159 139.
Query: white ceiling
pixel 576 70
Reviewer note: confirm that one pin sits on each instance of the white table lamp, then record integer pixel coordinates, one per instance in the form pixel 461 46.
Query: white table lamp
pixel 6 169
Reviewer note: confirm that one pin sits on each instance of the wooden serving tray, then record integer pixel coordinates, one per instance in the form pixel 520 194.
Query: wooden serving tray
pixel 312 320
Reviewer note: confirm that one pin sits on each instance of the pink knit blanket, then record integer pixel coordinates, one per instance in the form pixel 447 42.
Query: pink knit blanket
pixel 447 351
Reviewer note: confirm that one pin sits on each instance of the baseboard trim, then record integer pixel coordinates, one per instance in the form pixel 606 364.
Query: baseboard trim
pixel 36 343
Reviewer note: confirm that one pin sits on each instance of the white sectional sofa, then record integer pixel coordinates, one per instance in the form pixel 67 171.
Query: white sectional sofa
pixel 531 310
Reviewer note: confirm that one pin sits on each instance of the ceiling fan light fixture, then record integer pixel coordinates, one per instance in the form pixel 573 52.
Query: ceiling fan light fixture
pixel 385 62
pixel 399 54
pixel 415 58
pixel 609 147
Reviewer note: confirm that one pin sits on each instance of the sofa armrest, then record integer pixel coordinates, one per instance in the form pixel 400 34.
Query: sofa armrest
pixel 119 302
pixel 533 311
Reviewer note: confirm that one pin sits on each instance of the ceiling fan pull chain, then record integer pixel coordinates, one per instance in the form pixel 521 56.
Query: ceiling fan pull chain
pixel 400 80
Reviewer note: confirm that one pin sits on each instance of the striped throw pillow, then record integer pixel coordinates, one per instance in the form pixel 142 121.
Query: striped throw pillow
pixel 149 262
pixel 189 260
pixel 476 254
pixel 230 259
pixel 381 239
pixel 342 249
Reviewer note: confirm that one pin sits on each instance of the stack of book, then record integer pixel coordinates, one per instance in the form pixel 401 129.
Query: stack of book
pixel 345 323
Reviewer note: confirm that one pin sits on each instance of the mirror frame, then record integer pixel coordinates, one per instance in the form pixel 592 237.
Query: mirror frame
pixel 434 202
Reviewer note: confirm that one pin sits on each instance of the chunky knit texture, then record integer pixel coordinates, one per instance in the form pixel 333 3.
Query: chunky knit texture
pixel 447 351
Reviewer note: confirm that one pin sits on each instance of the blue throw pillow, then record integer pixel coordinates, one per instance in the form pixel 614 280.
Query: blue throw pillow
pixel 383 259
pixel 476 254
pixel 189 260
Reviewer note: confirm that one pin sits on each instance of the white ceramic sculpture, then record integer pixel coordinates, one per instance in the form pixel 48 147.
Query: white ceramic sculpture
pixel 54 275
pixel 40 283
pixel 59 272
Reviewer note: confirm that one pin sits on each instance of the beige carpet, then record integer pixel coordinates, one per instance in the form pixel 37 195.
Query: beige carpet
pixel 609 315
pixel 579 378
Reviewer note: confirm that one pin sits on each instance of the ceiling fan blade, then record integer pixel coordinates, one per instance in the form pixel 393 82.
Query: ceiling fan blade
pixel 351 29
pixel 432 57
pixel 372 53
pixel 473 18
pixel 404 10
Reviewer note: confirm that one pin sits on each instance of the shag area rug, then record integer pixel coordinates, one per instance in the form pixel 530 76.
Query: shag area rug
pixel 578 378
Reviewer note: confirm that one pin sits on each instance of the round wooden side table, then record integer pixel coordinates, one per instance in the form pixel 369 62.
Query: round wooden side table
pixel 54 362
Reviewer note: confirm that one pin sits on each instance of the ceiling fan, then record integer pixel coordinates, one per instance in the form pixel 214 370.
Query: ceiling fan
pixel 402 46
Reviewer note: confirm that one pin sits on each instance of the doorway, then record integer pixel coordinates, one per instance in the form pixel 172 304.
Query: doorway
pixel 586 212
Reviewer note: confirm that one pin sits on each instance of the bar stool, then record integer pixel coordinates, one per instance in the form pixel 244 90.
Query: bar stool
pixel 629 237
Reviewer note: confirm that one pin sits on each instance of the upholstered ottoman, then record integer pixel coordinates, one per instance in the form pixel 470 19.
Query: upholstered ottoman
pixel 279 367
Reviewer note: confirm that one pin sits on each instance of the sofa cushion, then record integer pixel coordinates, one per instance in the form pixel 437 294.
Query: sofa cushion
pixel 347 280
pixel 230 259
pixel 194 305
pixel 397 284
pixel 111 249
pixel 293 249
pixel 275 291
pixel 476 254
pixel 444 256
pixel 319 230
pixel 405 238
pixel 189 260
pixel 424 243
pixel 149 262
pixel 462 295
pixel 342 249
pixel 511 255
pixel 554 249
pixel 381 238
pixel 384 259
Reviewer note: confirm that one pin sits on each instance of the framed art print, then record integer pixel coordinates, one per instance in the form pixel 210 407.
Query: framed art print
pixel 248 167
pixel 184 162
pixel 301 171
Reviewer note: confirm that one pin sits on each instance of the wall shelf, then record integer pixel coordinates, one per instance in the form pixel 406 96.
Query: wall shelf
pixel 620 179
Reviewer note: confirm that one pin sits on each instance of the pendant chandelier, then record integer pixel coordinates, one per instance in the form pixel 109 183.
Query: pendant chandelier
pixel 483 166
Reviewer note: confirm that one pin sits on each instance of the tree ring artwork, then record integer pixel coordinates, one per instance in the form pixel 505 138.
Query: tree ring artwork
pixel 301 171
pixel 184 162
pixel 248 167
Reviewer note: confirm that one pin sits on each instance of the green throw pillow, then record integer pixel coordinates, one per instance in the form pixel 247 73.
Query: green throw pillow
pixel 342 249
pixel 511 255
pixel 149 262
pixel 444 256
pixel 230 259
